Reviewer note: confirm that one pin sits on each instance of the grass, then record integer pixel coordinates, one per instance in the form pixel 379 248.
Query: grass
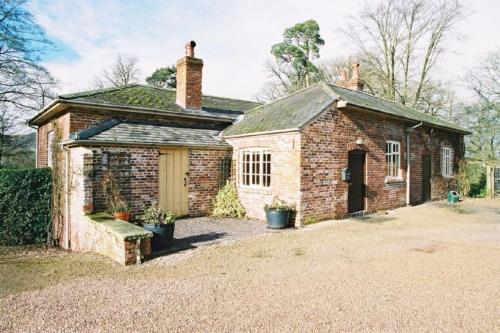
pixel 26 268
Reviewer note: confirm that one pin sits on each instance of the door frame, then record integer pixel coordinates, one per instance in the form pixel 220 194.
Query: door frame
pixel 364 177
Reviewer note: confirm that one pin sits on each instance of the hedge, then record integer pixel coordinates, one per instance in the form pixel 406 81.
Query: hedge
pixel 24 205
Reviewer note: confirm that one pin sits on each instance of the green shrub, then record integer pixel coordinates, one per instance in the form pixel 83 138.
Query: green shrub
pixel 227 204
pixel 25 196
pixel 476 174
pixel 279 204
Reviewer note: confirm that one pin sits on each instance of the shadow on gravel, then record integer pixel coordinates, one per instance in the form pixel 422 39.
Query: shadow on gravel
pixel 455 208
pixel 190 242
pixel 373 219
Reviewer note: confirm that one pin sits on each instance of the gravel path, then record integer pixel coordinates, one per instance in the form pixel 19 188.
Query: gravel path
pixel 431 268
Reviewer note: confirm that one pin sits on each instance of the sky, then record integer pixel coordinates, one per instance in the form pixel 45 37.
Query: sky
pixel 233 37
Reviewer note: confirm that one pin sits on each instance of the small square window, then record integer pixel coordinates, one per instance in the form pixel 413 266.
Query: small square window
pixel 255 167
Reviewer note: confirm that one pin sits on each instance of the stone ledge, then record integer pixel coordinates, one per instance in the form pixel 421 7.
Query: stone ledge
pixel 120 229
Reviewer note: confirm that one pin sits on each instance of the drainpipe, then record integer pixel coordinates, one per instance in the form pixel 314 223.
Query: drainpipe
pixel 408 131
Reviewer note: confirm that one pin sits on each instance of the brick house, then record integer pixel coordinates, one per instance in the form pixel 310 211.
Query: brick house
pixel 333 150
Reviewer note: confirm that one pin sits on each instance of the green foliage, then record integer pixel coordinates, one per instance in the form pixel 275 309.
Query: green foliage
pixel 155 215
pixel 299 48
pixel 311 220
pixel 279 204
pixel 25 203
pixel 227 203
pixel 476 176
pixel 165 77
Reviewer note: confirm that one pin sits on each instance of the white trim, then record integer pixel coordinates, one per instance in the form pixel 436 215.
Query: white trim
pixel 241 174
pixel 391 153
pixel 261 133
pixel 50 143
pixel 447 162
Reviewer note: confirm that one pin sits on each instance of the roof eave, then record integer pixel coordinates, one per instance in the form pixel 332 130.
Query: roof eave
pixel 295 129
pixel 46 113
pixel 77 143
pixel 344 104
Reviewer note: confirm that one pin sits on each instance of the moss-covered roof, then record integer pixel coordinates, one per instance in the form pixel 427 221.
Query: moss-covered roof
pixel 297 110
pixel 135 132
pixel 148 97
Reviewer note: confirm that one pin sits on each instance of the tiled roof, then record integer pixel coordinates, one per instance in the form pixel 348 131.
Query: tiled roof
pixel 148 97
pixel 296 110
pixel 117 131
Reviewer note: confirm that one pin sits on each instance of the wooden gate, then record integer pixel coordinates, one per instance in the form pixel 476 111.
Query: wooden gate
pixel 426 177
pixel 356 192
pixel 173 180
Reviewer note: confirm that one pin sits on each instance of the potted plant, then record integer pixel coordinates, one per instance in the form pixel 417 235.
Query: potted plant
pixel 121 210
pixel 278 213
pixel 161 223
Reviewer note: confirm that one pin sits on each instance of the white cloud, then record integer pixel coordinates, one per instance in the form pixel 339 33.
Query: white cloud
pixel 234 37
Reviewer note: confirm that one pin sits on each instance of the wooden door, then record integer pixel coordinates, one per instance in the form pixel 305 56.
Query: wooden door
pixel 173 180
pixel 426 177
pixel 356 194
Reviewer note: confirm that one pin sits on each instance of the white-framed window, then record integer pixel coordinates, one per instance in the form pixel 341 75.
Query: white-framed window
pixel 50 143
pixel 393 159
pixel 446 162
pixel 255 167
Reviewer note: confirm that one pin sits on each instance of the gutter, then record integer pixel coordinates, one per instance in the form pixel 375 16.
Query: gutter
pixel 134 109
pixel 78 143
pixel 344 104
pixel 408 131
pixel 295 129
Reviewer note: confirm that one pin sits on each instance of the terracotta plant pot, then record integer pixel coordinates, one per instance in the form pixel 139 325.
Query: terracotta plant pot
pixel 125 216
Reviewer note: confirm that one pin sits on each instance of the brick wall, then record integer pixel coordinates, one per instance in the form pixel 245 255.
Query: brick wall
pixel 325 144
pixel 204 167
pixel 285 171
pixel 143 172
pixel 42 137
pixel 77 119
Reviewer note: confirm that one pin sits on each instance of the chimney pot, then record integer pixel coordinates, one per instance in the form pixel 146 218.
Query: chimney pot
pixel 190 48
pixel 355 82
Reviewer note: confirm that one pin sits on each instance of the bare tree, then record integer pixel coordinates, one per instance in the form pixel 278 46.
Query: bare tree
pixel 400 42
pixel 122 72
pixel 482 116
pixel 25 86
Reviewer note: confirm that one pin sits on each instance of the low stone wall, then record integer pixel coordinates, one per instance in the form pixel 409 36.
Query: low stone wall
pixel 114 238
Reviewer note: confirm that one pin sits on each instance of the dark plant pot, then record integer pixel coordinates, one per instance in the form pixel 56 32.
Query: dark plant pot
pixel 277 219
pixel 125 216
pixel 163 235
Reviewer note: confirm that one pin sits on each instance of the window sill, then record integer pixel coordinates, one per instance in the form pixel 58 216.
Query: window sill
pixel 394 180
pixel 448 176
pixel 254 189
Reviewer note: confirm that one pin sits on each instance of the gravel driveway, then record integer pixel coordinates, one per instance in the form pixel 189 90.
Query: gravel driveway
pixel 430 268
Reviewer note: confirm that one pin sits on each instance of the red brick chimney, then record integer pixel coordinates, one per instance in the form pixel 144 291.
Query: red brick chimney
pixel 354 83
pixel 189 75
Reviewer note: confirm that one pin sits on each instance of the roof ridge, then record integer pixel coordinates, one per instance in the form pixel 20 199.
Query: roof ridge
pixel 283 98
pixel 174 89
pixel 394 102
pixel 96 129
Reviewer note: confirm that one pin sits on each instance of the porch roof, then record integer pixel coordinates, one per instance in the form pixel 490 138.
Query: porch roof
pixel 129 132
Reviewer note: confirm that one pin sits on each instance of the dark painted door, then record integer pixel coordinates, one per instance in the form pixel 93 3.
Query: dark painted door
pixel 426 178
pixel 356 194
